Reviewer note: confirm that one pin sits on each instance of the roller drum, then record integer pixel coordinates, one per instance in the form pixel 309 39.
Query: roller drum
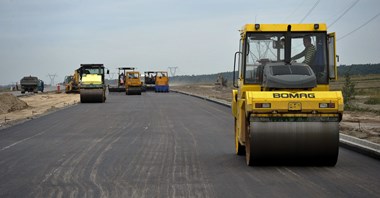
pixel 309 142
pixel 116 89
pixel 92 95
pixel 133 91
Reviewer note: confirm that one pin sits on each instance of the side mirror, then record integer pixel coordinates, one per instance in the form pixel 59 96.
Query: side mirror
pixel 278 44
pixel 108 71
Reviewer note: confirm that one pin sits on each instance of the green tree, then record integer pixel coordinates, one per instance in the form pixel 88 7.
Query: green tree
pixel 348 90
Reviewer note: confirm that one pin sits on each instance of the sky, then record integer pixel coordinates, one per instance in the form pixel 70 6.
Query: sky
pixel 42 37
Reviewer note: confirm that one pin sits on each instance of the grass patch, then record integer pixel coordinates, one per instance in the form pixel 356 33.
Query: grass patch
pixel 368 92
pixel 373 100
pixel 351 107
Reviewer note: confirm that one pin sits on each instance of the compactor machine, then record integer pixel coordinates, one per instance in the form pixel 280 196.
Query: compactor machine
pixel 72 82
pixel 157 81
pixel 133 83
pixel 150 80
pixel 120 80
pixel 92 87
pixel 162 82
pixel 283 108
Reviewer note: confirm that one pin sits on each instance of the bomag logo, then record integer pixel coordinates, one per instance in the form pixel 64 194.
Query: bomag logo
pixel 293 95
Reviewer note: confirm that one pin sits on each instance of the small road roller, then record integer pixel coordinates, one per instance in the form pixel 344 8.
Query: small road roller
pixel 120 87
pixel 283 109
pixel 162 82
pixel 133 85
pixel 92 87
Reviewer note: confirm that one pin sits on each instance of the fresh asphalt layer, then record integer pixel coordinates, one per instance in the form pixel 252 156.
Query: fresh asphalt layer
pixel 158 145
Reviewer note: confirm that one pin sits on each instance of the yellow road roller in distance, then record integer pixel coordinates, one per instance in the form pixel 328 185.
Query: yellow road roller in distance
pixel 283 108
pixel 133 83
pixel 120 87
pixel 92 86
pixel 162 82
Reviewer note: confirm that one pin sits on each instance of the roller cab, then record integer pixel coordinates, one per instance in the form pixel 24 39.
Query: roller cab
pixel 283 109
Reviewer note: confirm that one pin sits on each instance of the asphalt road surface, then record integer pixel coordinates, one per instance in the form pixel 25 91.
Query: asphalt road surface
pixel 158 145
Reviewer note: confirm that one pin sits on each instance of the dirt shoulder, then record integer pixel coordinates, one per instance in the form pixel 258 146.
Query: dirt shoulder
pixel 360 124
pixel 37 105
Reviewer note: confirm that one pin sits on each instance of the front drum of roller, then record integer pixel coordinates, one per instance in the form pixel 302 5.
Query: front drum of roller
pixel 314 143
pixel 91 95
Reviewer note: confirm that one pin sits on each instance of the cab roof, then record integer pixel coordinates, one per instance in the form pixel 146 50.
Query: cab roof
pixel 283 27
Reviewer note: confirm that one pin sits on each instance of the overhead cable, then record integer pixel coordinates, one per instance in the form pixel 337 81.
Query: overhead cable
pixel 364 24
pixel 348 9
pixel 308 13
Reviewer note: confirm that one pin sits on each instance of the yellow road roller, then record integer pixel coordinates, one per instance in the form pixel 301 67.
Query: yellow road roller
pixel 133 83
pixel 92 87
pixel 120 87
pixel 162 82
pixel 282 105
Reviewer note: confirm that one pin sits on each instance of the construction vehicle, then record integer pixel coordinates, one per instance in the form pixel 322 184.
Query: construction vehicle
pixel 31 84
pixel 157 81
pixel 149 80
pixel 121 80
pixel 67 81
pixel 284 111
pixel 162 82
pixel 72 82
pixel 133 83
pixel 221 81
pixel 92 87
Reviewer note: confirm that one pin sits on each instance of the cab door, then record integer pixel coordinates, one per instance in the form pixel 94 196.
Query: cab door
pixel 333 73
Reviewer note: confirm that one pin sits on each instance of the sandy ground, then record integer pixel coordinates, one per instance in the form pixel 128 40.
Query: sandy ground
pixel 364 125
pixel 37 105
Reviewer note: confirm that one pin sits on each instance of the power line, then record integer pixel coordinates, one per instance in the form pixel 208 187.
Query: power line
pixel 364 24
pixel 308 13
pixel 294 11
pixel 348 9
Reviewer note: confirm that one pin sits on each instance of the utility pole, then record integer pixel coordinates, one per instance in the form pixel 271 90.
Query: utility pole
pixel 173 70
pixel 52 76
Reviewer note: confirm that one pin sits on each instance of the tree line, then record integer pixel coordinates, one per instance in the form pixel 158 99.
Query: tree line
pixel 354 69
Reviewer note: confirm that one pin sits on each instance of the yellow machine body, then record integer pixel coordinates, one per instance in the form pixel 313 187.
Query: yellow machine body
pixel 277 118
pixel 162 81
pixel 133 83
pixel 120 87
pixel 72 83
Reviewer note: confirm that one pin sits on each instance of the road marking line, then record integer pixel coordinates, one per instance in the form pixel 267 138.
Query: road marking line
pixel 23 140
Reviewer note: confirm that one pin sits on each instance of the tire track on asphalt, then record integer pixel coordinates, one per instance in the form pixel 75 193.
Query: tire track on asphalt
pixel 73 168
